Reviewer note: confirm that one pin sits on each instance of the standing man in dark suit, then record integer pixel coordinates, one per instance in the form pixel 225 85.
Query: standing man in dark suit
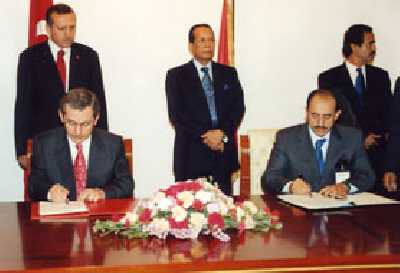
pixel 365 90
pixel 47 71
pixel 305 158
pixel 79 161
pixel 392 159
pixel 205 106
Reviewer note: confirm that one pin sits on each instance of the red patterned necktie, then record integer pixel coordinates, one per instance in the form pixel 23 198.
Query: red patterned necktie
pixel 80 170
pixel 62 71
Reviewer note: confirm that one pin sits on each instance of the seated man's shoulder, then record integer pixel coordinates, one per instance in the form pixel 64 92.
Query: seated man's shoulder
pixel 348 131
pixel 107 136
pixel 50 135
pixel 289 134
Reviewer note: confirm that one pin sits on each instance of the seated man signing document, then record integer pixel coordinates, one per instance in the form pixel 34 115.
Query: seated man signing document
pixel 79 161
pixel 319 156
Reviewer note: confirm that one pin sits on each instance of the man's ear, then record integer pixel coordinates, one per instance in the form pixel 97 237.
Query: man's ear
pixel 61 115
pixel 337 114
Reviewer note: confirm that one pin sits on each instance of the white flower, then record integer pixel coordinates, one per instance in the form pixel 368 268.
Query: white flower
pixel 203 196
pixel 212 207
pixel 164 203
pixel 178 213
pixel 159 225
pixel 249 222
pixel 250 207
pixel 223 208
pixel 186 197
pixel 131 217
pixel 197 220
pixel 159 196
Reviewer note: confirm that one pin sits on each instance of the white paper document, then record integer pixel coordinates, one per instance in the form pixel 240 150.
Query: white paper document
pixel 317 201
pixel 52 208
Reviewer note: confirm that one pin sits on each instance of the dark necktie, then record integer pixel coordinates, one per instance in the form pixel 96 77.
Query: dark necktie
pixel 62 71
pixel 209 92
pixel 320 157
pixel 360 85
pixel 80 170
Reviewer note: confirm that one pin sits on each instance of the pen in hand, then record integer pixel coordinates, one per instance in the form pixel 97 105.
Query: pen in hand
pixel 300 176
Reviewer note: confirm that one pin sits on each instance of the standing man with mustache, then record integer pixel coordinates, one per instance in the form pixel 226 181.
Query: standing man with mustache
pixel 47 71
pixel 205 106
pixel 362 91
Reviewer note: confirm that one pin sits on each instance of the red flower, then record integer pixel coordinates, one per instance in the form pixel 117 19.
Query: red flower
pixel 178 225
pixel 145 216
pixel 127 223
pixel 267 211
pixel 197 205
pixel 216 220
pixel 192 186
pixel 275 214
pixel 174 189
pixel 241 227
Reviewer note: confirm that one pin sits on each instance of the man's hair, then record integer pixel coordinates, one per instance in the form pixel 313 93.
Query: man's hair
pixel 193 28
pixel 78 99
pixel 323 93
pixel 57 9
pixel 354 35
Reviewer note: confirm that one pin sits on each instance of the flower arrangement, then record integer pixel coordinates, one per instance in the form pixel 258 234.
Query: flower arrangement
pixel 187 209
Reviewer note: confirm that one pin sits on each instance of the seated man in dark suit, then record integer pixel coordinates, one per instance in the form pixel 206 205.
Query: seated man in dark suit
pixel 79 161
pixel 306 158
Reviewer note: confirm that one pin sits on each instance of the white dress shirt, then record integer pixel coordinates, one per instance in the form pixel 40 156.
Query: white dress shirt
pixel 67 57
pixel 353 72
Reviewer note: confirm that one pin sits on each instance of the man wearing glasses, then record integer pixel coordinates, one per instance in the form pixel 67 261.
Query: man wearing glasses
pixel 79 161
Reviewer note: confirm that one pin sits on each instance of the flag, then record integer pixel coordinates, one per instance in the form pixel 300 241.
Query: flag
pixel 226 35
pixel 37 21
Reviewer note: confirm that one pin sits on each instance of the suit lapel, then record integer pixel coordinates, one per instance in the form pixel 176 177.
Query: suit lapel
pixel 194 82
pixel 49 66
pixel 347 82
pixel 334 151
pixel 309 153
pixel 62 155
pixel 74 73
pixel 96 157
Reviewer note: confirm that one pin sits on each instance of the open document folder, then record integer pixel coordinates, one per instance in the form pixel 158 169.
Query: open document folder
pixel 52 208
pixel 317 201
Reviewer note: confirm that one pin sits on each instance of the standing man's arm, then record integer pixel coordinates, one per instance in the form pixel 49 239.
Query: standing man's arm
pixel 176 106
pixel 23 108
pixel 237 108
pixel 97 87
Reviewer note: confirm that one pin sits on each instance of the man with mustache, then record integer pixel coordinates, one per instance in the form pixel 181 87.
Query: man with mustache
pixel 305 157
pixel 205 106
pixel 362 91
pixel 47 71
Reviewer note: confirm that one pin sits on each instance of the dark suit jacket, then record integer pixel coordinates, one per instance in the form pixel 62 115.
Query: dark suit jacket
pixel 189 114
pixel 52 163
pixel 376 99
pixel 392 159
pixel 293 154
pixel 39 89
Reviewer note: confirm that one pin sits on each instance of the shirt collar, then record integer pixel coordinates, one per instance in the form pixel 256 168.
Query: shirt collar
pixel 314 137
pixel 353 69
pixel 198 66
pixel 54 48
